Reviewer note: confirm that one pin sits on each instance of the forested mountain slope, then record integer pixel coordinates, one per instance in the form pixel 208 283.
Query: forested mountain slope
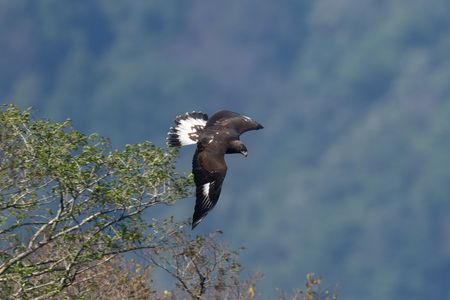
pixel 349 178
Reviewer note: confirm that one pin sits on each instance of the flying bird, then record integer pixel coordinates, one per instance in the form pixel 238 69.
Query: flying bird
pixel 214 137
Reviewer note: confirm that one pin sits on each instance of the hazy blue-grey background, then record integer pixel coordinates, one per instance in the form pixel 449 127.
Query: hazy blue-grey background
pixel 350 177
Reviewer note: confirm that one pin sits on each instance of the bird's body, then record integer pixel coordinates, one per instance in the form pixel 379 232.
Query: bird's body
pixel 214 137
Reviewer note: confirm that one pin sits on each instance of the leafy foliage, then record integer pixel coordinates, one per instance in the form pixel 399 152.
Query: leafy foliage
pixel 62 192
pixel 71 208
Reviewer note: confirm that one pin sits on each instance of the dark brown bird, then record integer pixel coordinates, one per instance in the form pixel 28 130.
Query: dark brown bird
pixel 214 138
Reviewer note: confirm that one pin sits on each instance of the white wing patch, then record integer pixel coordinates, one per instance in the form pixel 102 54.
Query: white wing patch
pixel 205 189
pixel 187 130
pixel 206 202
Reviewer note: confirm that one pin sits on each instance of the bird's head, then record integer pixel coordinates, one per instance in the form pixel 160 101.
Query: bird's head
pixel 243 150
pixel 237 146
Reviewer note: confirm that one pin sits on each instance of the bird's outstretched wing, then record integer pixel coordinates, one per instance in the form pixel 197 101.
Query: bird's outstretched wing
pixel 233 120
pixel 209 170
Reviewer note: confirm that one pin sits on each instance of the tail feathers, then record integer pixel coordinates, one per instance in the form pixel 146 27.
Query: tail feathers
pixel 187 129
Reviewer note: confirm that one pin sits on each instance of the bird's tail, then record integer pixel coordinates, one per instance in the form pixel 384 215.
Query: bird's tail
pixel 187 129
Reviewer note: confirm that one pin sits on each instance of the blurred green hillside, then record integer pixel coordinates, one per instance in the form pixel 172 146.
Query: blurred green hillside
pixel 350 177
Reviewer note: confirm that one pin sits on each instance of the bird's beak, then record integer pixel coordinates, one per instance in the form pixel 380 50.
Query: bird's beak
pixel 245 153
pixel 259 126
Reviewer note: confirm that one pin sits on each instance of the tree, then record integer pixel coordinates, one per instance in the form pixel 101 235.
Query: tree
pixel 70 208
pixel 66 193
